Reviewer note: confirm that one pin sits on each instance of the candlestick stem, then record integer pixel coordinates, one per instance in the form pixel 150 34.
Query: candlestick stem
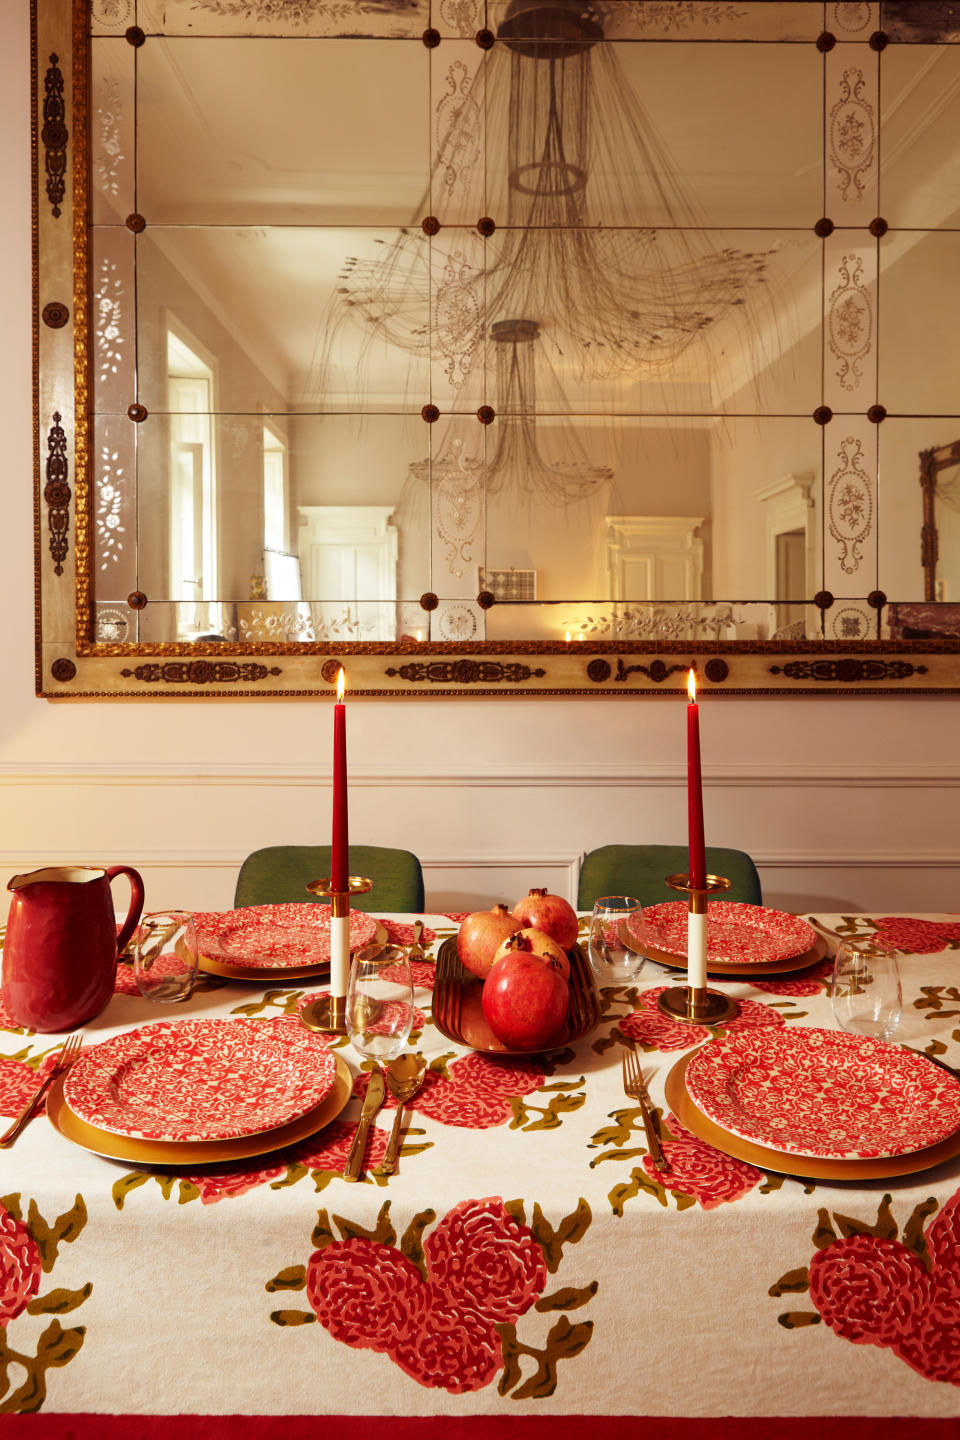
pixel 694 1002
pixel 329 1012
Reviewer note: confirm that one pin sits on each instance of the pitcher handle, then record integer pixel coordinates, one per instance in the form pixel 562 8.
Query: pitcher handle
pixel 136 902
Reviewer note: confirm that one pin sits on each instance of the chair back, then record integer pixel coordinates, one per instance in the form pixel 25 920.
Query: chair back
pixel 281 872
pixel 640 870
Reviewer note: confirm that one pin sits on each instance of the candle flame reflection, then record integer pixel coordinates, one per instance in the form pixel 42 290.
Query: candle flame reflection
pixel 692 686
pixel 340 685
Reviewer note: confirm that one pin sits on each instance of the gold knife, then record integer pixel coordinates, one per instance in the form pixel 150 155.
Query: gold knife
pixel 656 1149
pixel 376 1092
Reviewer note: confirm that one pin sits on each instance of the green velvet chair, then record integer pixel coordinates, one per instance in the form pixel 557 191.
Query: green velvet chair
pixel 281 872
pixel 640 870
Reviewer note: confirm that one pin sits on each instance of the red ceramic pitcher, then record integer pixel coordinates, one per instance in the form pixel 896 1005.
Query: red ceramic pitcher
pixel 60 954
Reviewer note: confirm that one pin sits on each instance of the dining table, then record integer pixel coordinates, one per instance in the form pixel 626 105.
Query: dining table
pixel 527 1270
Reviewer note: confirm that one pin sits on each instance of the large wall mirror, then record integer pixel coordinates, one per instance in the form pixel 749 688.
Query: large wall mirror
pixel 495 346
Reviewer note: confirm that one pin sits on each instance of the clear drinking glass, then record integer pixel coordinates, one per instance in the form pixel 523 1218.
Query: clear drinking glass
pixel 866 990
pixel 617 941
pixel 379 1004
pixel 165 955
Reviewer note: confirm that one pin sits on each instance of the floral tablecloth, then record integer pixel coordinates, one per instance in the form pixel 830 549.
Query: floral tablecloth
pixel 527 1258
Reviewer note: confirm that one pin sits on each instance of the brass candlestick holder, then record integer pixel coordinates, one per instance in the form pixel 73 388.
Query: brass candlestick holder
pixel 328 1014
pixel 696 1004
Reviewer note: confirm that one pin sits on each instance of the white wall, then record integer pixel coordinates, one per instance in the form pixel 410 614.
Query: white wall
pixel 846 803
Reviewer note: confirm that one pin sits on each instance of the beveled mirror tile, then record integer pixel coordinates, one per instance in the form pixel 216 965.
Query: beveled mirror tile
pixel 919 310
pixel 850 326
pixel 851 123
pixel 282 133
pixel 851 619
pixel 632 156
pixel 284 312
pixel 111 131
pixel 459 340
pixel 111 17
pixel 850 506
pixel 462 621
pixel 295 19
pixel 919 148
pixel 450 497
pixel 458 133
pixel 700 20
pixel 113 346
pixel 901 519
pixel 113 511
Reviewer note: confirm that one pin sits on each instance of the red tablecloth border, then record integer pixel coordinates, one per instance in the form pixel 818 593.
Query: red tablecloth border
pixel 472 1427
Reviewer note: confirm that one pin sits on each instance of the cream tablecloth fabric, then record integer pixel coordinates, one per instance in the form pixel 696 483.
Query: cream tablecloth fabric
pixel 526 1257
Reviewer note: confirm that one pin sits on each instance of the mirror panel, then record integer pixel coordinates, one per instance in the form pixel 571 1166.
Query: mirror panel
pixel 427 337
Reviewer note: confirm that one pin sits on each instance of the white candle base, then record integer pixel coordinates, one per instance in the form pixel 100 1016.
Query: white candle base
pixel 696 951
pixel 339 954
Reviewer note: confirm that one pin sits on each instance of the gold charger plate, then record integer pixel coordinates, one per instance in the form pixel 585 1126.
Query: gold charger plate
pixel 807 1167
pixel 188 1153
pixel 732 971
pixel 272 973
pixel 458 1014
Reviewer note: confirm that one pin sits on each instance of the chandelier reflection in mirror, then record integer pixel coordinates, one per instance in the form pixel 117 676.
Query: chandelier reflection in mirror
pixel 566 291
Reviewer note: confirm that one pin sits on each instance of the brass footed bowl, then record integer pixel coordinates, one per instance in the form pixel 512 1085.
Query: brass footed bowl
pixel 458 1013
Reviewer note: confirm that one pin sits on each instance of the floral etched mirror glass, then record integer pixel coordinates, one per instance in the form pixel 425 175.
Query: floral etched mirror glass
pixel 527 346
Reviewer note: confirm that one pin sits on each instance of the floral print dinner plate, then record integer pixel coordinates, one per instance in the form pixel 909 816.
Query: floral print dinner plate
pixel 275 937
pixel 737 934
pixel 198 1080
pixel 824 1093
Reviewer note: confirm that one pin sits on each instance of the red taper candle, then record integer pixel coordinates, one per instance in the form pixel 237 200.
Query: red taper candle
pixel 697 864
pixel 339 862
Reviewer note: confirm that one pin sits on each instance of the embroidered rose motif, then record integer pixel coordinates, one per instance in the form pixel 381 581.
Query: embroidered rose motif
pixel 329 1150
pixel 875 1290
pixel 226 1183
pixel 482 1268
pixel 475 1094
pixel 19 1267
pixel 18 1082
pixel 365 1294
pixel 697 1169
pixel 869 1290
pixel 482 1258
pixel 650 1028
pixel 918 937
pixel 809 985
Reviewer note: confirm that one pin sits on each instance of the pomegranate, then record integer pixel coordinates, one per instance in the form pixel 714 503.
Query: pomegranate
pixel 538 943
pixel 551 914
pixel 525 1000
pixel 480 934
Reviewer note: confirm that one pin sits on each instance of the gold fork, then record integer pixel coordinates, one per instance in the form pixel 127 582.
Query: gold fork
pixel 634 1086
pixel 415 951
pixel 68 1053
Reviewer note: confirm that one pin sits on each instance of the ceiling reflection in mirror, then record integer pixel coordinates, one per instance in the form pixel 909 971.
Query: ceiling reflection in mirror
pixel 508 322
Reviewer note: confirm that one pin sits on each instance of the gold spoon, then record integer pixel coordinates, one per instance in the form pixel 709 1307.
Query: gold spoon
pixel 404 1078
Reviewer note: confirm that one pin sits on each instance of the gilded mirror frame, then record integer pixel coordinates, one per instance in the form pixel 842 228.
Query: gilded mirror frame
pixel 870 656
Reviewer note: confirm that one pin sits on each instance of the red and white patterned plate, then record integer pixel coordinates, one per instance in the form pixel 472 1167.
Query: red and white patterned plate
pixel 737 934
pixel 198 1080
pixel 824 1093
pixel 275 937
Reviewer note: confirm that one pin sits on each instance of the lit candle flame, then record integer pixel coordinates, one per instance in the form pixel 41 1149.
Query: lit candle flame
pixel 567 637
pixel 419 636
pixel 340 685
pixel 692 686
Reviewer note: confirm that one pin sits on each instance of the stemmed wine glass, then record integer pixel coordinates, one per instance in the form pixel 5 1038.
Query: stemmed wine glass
pixel 379 1010
pixel 616 942
pixel 866 991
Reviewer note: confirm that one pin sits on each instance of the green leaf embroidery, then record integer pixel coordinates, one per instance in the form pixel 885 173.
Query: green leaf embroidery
pixel 64 1230
pixel 293 1317
pixel 796 1319
pixel 793 1283
pixel 126 1183
pixel 58 1302
pixel 567 1298
pixel 294 1277
pixel 570 1231
pixel 57 1346
pixel 411 1241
